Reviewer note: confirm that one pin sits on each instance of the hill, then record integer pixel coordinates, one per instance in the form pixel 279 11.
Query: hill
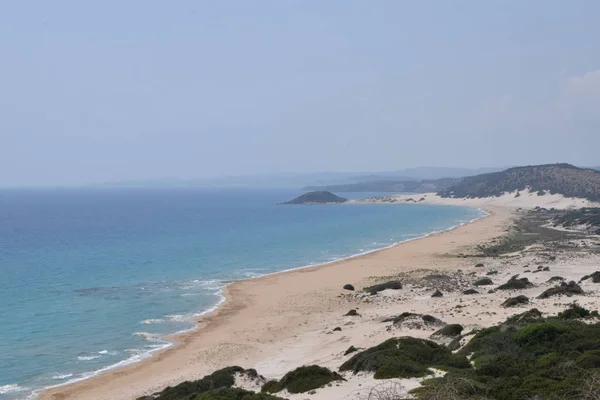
pixel 564 179
pixel 424 186
pixel 320 197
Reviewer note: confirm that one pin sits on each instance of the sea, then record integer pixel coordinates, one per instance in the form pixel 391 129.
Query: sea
pixel 95 278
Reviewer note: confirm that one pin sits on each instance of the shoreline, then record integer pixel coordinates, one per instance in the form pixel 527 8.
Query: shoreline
pixel 217 317
pixel 173 338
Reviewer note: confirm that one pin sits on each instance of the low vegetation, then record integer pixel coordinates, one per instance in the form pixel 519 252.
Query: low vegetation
pixel 451 330
pixel 516 283
pixel 575 311
pixel 586 218
pixel 234 394
pixel 516 301
pixel 302 380
pixel 428 320
pixel 567 289
pixel 374 289
pixel 534 228
pixel 217 385
pixel 528 357
pixel 404 358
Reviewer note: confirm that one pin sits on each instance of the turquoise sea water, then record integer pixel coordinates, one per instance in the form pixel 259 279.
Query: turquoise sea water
pixel 94 278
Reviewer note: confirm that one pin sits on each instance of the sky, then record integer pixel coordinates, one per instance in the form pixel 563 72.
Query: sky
pixel 109 91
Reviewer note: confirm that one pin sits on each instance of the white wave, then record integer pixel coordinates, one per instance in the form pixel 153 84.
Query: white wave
pixel 191 294
pixel 179 317
pixel 152 346
pixel 87 358
pixel 110 353
pixel 212 284
pixel 12 388
pixel 151 337
pixel 152 321
pixel 65 376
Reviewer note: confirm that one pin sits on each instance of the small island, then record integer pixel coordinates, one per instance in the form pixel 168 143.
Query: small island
pixel 320 197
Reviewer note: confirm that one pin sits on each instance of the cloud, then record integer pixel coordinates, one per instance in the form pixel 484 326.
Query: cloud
pixel 580 97
pixel 586 85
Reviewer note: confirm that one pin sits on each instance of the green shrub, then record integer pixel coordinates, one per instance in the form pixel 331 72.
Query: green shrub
pixel 302 379
pixel 223 378
pixel 234 394
pixel 402 358
pixel 589 359
pixel 271 387
pixel 451 330
pixel 395 285
pixel 575 311
pixel 528 356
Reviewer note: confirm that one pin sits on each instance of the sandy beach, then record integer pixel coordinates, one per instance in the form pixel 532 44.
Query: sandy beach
pixel 279 322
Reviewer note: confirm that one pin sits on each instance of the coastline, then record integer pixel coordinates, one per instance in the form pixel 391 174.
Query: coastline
pixel 236 301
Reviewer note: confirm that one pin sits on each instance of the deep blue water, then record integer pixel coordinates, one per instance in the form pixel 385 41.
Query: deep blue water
pixel 95 277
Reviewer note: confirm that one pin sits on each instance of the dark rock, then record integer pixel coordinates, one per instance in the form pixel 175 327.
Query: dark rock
pixel 437 293
pixel 479 265
pixel 337 329
pixel 567 289
pixel 395 285
pixel 470 291
pixel 483 282
pixel 527 270
pixel 516 283
pixel 348 287
pixel 492 273
pixel 595 277
pixel 546 269
pixel 552 258
pixel 352 313
pixel 515 301
pixel 555 279
pixel 491 291
pixel 451 330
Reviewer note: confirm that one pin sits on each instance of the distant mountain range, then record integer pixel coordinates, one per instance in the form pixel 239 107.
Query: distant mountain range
pixel 565 179
pixel 422 179
pixel 316 179
pixel 413 186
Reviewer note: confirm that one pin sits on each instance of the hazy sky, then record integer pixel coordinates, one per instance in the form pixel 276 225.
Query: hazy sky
pixel 127 90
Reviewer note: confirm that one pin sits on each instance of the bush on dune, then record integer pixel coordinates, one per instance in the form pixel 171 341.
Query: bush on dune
pixel 302 380
pixel 234 394
pixel 404 358
pixel 223 378
pixel 575 311
pixel 549 358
